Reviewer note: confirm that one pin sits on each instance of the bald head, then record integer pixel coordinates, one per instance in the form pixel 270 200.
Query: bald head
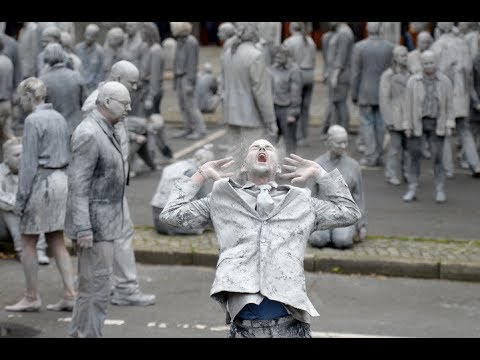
pixel 66 40
pixel 115 37
pixel 51 34
pixel 91 33
pixel 226 30
pixel 181 28
pixel 429 63
pixel 373 28
pixel 125 73
pixel 113 101
pixel 337 140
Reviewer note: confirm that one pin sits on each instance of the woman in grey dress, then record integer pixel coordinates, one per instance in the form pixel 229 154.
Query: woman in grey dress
pixel 42 193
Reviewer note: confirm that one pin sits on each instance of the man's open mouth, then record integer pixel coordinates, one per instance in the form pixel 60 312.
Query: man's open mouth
pixel 262 157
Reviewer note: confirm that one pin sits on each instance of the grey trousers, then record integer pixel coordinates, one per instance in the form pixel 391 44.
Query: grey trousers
pixel 125 279
pixel 286 129
pixel 436 142
pixel 191 115
pixel 397 159
pixel 373 131
pixel 468 147
pixel 307 91
pixel 95 266
pixel 284 327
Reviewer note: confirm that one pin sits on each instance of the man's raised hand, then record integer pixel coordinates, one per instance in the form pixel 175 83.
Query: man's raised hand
pixel 215 169
pixel 300 170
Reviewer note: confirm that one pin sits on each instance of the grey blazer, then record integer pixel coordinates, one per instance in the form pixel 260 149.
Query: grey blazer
pixel 96 181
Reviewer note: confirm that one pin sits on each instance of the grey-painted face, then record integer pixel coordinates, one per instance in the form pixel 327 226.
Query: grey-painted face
pixel 13 156
pixel 445 26
pixel 281 58
pixel 130 80
pixel 424 41
pixel 401 55
pixel 120 106
pixel 338 142
pixel 261 160
pixel 429 62
pixel 91 34
pixel 26 101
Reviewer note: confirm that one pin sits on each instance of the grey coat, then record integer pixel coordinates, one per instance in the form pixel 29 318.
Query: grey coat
pixel 371 57
pixel 392 98
pixel 66 91
pixel 186 58
pixel 11 50
pixel 96 181
pixel 262 255
pixel 339 53
pixel 454 61
pixel 247 89
pixel 414 100
pixel 153 72
pixel 28 49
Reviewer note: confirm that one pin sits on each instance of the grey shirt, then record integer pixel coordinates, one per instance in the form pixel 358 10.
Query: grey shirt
pixel 66 91
pixel 153 73
pixel 45 144
pixel 93 59
pixel 287 87
pixel 430 103
pixel 11 50
pixel 186 58
pixel 28 49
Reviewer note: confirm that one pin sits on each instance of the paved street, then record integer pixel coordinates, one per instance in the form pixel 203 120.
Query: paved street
pixel 349 306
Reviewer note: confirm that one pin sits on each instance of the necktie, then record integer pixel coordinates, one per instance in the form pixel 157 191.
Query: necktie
pixel 265 202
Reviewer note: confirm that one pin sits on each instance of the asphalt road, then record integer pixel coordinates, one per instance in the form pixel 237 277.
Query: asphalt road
pixel 349 306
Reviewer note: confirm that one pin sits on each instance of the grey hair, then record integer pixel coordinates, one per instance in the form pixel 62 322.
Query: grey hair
pixel 54 54
pixel 10 143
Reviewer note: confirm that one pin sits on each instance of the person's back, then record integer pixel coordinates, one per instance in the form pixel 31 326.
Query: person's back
pixel 240 105
pixel 207 86
pixel 374 56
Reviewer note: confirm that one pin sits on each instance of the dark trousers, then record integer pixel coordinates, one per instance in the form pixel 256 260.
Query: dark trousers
pixel 284 327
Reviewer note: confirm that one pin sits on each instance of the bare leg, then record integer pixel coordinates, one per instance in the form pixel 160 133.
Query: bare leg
pixel 30 265
pixel 64 263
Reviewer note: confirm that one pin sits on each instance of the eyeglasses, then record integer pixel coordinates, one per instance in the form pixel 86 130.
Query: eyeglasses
pixel 124 103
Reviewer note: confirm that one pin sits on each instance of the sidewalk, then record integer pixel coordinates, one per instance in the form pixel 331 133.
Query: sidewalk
pixel 417 258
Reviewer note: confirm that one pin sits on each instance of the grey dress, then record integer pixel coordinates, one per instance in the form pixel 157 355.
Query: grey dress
pixel 42 187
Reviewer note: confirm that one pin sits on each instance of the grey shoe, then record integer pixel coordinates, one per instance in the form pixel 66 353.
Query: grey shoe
pixel 136 299
pixel 194 136
pixel 42 258
pixel 62 305
pixel 394 181
pixel 25 305
pixel 440 197
pixel 410 196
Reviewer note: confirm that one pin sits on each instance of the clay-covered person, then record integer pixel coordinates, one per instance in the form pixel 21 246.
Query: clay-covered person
pixel 66 41
pixel 11 50
pixel 428 110
pixel 137 131
pixel 172 173
pixel 287 95
pixel 207 89
pixel 304 53
pixel 28 48
pixel 454 61
pixel 114 49
pixel 371 57
pixel 92 55
pixel 393 85
pixel 65 87
pixel 42 193
pixel 126 289
pixel 248 109
pixel 95 211
pixel 51 35
pixel 12 150
pixel 339 58
pixel 262 230
pixel 185 79
pixel 153 72
pixel 336 158
pixel 424 41
pixel 226 32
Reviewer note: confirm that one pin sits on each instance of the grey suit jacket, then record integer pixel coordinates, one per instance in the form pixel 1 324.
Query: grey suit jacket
pixel 262 255
pixel 96 181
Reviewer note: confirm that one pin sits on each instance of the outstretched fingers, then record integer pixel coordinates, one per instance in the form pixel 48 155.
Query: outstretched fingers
pixel 223 161
pixel 228 164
